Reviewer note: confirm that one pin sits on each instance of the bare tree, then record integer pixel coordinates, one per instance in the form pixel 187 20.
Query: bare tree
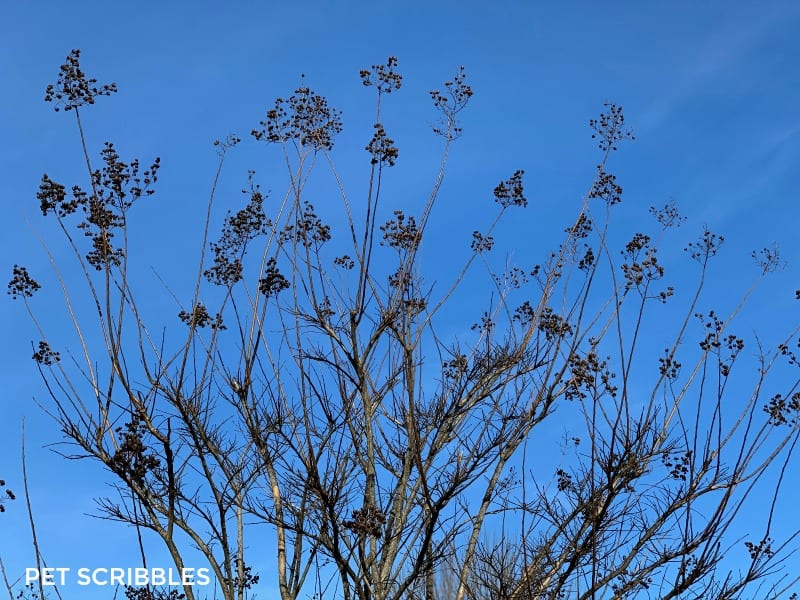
pixel 310 389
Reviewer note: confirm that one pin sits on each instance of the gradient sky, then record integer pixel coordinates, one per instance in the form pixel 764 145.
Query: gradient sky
pixel 711 90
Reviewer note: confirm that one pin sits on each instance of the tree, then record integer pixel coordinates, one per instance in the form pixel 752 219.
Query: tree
pixel 309 388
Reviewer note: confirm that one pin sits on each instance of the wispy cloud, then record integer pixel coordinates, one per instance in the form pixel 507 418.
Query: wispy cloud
pixel 737 35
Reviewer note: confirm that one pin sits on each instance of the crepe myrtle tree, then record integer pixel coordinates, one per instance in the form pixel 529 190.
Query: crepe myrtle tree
pixel 305 401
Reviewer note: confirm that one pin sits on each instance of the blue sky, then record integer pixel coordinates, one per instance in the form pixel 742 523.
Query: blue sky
pixel 712 91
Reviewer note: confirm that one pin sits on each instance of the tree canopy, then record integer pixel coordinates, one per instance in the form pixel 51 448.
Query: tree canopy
pixel 322 393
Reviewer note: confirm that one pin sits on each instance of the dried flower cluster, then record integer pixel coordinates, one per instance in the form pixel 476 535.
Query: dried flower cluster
pixel 385 78
pixel 73 89
pixel 305 117
pixel 5 494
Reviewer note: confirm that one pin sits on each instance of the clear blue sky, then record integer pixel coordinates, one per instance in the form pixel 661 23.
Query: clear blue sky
pixel 711 89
